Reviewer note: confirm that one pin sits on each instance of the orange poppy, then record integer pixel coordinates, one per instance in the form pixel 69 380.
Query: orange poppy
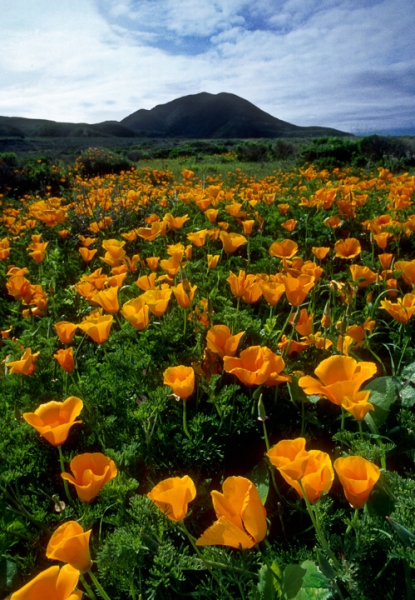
pixel 212 261
pixel 283 249
pixel 211 214
pixel 272 291
pixel 358 405
pixel 302 323
pixel 402 310
pixel 136 312
pixel 232 241
pixel 181 379
pixel 348 248
pixel 153 262
pixel 108 299
pixel 91 471
pixel 184 298
pixel 338 376
pixel 320 252
pixel 147 282
pixel 53 584
pixel 65 331
pixel 173 495
pixel 171 265
pixel 97 328
pixel 312 468
pixel 385 260
pixel 175 222
pixel 87 254
pixel 289 225
pixel 297 288
pixel 70 544
pixel 358 477
pixel 26 365
pixel 220 340
pixel 363 275
pixel 256 365
pixel 198 238
pixel 408 270
pixel 53 420
pixel 240 513
pixel 248 226
pixel 157 300
pixel 65 359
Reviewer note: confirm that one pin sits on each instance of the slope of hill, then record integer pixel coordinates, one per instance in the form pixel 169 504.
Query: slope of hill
pixel 223 115
pixel 198 116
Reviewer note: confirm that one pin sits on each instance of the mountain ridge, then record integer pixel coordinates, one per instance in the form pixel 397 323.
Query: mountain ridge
pixel 202 115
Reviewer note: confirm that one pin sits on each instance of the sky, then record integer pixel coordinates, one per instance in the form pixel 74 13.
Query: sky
pixel 348 64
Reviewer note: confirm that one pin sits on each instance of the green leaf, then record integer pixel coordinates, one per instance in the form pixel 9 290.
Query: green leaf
pixel 382 396
pixel 305 582
pixel 269 586
pixel 403 534
pixel 8 571
pixel 408 372
pixel 259 475
pixel 407 395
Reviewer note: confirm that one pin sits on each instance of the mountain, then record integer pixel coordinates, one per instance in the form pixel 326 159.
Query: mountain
pixel 223 115
pixel 199 116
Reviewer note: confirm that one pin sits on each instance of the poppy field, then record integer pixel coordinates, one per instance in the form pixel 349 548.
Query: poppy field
pixel 207 384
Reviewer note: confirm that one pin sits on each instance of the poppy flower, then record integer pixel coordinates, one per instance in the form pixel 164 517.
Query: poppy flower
pixel 272 291
pixel 220 340
pixel 65 331
pixel 19 287
pixel 358 477
pixel 65 359
pixel 97 328
pixel 38 251
pixel 303 324
pixel 198 238
pixel 245 286
pixel 70 544
pixel 24 366
pixel 136 312
pixel 408 270
pixel 348 248
pixel 232 241
pixel 338 376
pixel 320 252
pixel 53 584
pixel 256 365
pixel 153 262
pixel 402 310
pixel 53 420
pixel 184 299
pixel 289 225
pixel 211 214
pixel 362 275
pixel 283 249
pixel 181 379
pixel 358 404
pixel 147 282
pixel 175 222
pixel 87 254
pixel 240 513
pixel 171 265
pixel 385 260
pixel 297 288
pixel 107 299
pixel 114 248
pixel 173 495
pixel 91 471
pixel 312 468
pixel 157 300
pixel 248 226
pixel 212 261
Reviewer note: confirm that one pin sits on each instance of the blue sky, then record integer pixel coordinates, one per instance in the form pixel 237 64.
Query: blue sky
pixel 348 64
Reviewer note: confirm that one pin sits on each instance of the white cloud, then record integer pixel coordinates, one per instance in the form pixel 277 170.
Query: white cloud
pixel 336 63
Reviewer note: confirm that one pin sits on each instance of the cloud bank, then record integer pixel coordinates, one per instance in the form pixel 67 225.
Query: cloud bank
pixel 347 64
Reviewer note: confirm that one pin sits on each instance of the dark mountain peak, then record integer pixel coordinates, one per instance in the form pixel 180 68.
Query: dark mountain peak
pixel 221 115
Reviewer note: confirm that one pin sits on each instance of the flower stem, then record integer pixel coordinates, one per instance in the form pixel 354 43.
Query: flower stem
pixel 185 420
pixel 196 549
pixel 87 587
pixel 65 483
pixel 98 586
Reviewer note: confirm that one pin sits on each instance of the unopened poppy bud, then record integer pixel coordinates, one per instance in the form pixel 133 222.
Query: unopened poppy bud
pixel 261 410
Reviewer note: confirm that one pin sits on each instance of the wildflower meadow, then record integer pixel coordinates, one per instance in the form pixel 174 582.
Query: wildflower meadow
pixel 207 382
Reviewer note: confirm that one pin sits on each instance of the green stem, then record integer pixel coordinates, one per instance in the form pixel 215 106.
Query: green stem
pixel 185 420
pixel 342 419
pixel 98 586
pixel 353 521
pixel 184 321
pixel 408 580
pixel 313 512
pixel 87 587
pixel 199 554
pixel 284 326
pixel 65 483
